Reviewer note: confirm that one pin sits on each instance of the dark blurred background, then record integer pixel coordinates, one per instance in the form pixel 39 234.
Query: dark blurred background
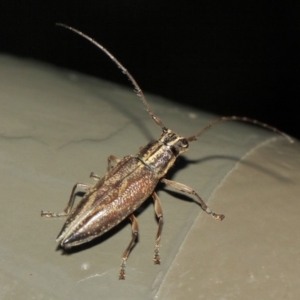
pixel 227 57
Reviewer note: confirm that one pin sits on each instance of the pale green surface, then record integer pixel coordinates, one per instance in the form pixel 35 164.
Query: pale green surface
pixel 57 127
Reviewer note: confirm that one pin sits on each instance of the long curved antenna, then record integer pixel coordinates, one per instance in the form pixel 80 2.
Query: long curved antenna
pixel 137 89
pixel 243 119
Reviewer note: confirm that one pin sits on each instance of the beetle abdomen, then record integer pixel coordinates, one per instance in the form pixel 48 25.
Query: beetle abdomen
pixel 103 207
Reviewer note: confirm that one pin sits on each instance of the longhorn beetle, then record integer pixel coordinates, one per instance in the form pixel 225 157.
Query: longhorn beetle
pixel 131 180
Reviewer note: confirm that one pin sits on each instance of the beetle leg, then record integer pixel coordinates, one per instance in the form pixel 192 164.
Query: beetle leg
pixel 184 188
pixel 135 232
pixel 159 214
pixel 112 159
pixel 95 176
pixel 70 204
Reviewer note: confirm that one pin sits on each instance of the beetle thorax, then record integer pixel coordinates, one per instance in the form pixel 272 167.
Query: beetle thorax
pixel 160 155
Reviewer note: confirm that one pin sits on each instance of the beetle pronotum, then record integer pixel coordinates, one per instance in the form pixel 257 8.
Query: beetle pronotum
pixel 128 183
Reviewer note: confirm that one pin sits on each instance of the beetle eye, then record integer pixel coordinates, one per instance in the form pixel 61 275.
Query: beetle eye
pixel 184 143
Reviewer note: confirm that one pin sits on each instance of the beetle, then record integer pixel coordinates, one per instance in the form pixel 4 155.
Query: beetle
pixel 130 181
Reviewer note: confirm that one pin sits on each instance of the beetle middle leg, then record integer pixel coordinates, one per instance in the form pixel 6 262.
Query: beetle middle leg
pixel 95 176
pixel 112 159
pixel 83 186
pixel 159 214
pixel 186 189
pixel 135 232
pixel 70 204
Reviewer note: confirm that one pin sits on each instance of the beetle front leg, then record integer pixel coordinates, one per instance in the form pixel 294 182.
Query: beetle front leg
pixel 184 188
pixel 70 204
pixel 135 232
pixel 159 214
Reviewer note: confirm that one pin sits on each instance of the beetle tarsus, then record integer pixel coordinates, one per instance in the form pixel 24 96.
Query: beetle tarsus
pixel 156 257
pixel 217 216
pixel 49 214
pixel 122 271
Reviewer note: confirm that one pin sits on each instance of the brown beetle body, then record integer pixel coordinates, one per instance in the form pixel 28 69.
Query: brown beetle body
pixel 130 182
pixel 121 191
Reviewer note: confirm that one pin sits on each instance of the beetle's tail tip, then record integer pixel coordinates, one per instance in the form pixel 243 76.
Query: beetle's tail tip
pixel 60 241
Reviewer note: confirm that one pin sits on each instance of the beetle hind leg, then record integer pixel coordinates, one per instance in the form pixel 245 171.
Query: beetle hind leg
pixel 135 232
pixel 159 214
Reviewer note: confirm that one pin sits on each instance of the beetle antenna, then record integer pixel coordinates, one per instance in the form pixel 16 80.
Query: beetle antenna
pixel 242 119
pixel 137 89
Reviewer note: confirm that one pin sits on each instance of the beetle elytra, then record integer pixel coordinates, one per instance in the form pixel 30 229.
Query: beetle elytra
pixel 130 181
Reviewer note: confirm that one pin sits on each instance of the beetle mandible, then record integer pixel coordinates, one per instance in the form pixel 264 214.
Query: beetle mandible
pixel 132 180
